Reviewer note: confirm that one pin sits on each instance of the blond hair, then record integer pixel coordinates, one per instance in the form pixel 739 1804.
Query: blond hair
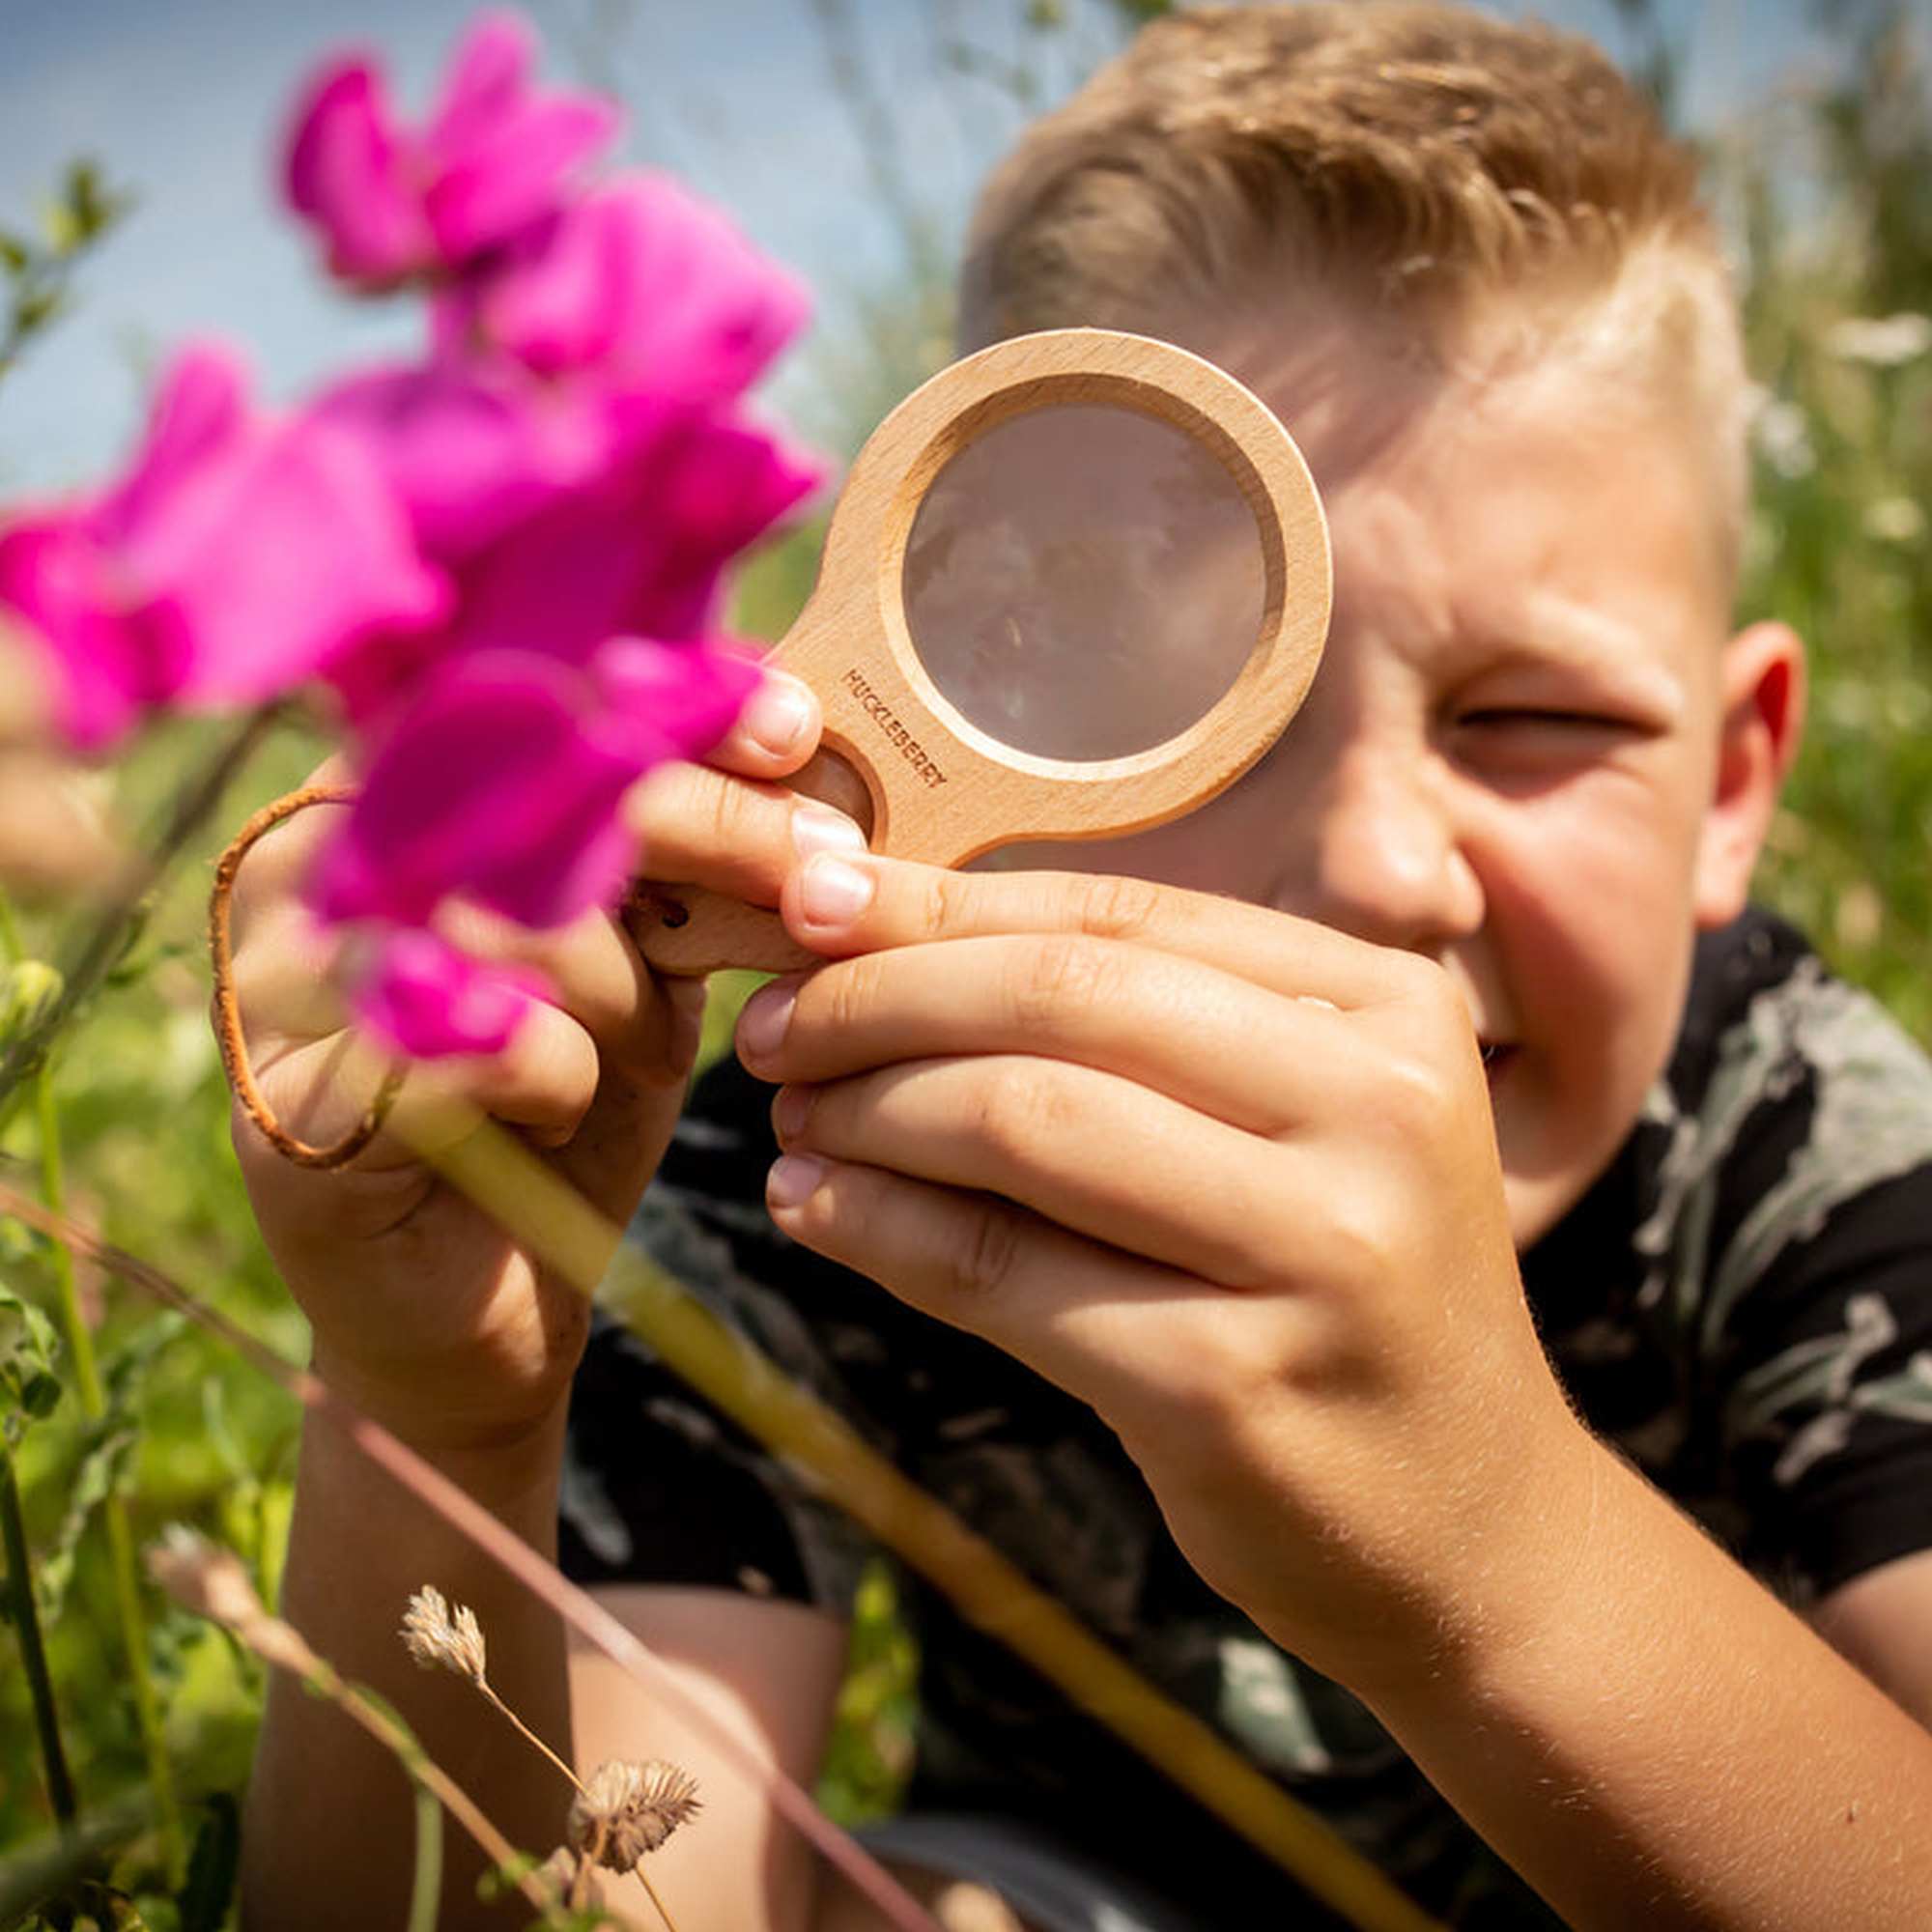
pixel 1456 175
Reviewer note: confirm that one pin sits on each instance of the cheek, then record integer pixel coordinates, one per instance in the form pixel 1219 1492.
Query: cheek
pixel 1224 846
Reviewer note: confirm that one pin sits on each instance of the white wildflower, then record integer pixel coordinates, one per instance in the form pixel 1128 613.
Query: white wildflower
pixel 1882 342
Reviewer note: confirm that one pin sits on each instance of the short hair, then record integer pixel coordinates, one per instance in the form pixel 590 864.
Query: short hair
pixel 1445 167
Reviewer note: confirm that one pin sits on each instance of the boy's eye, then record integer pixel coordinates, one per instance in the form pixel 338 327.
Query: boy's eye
pixel 1501 716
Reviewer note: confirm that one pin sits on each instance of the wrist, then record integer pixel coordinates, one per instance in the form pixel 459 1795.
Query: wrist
pixel 1520 1586
pixel 504 1455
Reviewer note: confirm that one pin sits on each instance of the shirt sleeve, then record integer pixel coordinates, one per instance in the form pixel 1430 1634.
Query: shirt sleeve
pixel 1814 1323
pixel 1829 1419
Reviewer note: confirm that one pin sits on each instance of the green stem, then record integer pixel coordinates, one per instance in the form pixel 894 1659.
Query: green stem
pixel 33 1652
pixel 114 1507
pixel 103 944
pixel 426 1889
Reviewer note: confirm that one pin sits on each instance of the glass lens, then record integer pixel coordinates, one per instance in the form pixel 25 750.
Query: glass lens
pixel 1084 582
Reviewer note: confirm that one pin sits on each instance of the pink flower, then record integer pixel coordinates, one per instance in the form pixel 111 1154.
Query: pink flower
pixel 642 550
pixel 421 997
pixel 500 783
pixel 637 549
pixel 471 451
pixel 236 558
pixel 642 284
pixel 495 156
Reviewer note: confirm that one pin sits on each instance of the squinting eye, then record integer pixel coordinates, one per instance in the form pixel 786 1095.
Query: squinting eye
pixel 1575 720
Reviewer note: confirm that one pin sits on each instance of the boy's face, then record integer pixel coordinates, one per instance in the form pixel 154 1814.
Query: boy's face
pixel 1525 753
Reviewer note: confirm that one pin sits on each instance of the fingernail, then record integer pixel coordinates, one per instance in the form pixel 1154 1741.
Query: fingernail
pixel 776 716
pixel 832 893
pixel 762 1025
pixel 794 1179
pixel 818 828
pixel 791 1111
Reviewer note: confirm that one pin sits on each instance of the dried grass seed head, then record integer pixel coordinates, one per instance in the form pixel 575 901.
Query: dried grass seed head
pixel 440 1638
pixel 204 1577
pixel 627 1810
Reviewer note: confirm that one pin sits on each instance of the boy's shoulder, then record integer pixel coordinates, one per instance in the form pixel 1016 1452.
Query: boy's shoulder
pixel 1744 1303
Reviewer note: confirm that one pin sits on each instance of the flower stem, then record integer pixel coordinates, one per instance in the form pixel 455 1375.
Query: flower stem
pixel 114 1506
pixel 33 1652
pixel 103 946
pixel 489 1692
pixel 426 1888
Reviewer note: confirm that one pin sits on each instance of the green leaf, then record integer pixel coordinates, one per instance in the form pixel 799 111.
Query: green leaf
pixel 105 1469
pixel 29 1388
pixel 15 254
pixel 212 1867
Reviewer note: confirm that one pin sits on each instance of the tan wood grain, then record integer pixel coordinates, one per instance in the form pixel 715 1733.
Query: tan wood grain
pixel 963 792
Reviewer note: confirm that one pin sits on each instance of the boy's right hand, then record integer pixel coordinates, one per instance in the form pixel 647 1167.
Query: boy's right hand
pixel 425 1313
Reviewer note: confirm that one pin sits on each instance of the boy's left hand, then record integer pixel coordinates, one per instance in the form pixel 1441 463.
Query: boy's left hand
pixel 1228 1176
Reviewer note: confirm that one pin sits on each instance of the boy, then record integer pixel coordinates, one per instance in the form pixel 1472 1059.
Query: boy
pixel 1228 1144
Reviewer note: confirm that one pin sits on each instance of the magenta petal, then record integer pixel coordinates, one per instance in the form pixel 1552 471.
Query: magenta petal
pixel 280 557
pixel 649 285
pixel 469 457
pixel 422 998
pixel 109 661
pixel 497 151
pixel 640 554
pixel 686 696
pixel 492 785
pixel 485 80
pixel 347 171
pixel 200 410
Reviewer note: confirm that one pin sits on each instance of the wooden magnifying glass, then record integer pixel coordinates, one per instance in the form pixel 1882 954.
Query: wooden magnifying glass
pixel 1074 586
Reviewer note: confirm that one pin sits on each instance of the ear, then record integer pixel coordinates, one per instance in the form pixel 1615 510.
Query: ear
pixel 1761 696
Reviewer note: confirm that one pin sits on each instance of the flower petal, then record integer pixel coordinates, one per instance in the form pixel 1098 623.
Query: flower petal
pixel 497 151
pixel 422 998
pixel 347 171
pixel 649 286
pixel 493 785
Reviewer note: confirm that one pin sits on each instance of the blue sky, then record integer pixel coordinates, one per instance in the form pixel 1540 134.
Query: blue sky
pixel 182 101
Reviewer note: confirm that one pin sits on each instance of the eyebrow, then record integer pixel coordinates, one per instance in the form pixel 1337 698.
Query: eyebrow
pixel 1544 629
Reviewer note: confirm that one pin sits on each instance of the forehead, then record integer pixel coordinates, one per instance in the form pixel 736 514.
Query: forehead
pixel 1546 505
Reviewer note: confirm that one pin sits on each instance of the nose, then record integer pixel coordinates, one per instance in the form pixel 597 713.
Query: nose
pixel 1383 856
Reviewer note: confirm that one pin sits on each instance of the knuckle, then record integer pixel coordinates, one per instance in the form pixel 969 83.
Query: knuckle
pixel 1414 1094
pixel 1117 908
pixel 1060 974
pixel 851 991
pixel 989 1256
pixel 1015 1110
pixel 945 906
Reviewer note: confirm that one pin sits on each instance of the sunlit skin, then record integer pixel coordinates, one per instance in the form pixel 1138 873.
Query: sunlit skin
pixel 1507 758
pixel 1218 1154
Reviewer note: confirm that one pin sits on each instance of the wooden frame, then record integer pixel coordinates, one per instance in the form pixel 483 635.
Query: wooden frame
pixel 937 787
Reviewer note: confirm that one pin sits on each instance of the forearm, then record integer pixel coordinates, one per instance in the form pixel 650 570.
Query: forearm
pixel 330 1824
pixel 1651 1739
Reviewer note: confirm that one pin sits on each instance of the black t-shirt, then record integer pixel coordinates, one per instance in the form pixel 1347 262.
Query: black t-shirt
pixel 1742 1304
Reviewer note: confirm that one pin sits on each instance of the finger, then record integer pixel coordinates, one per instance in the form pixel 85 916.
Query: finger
pixel 1205 1038
pixel 1093 1320
pixel 545 1080
pixel 776 731
pixel 279 862
pixel 701 827
pixel 841 903
pixel 1085 1150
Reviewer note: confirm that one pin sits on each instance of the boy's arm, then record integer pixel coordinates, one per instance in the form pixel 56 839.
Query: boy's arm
pixel 1232 1179
pixel 1880 1621
pixel 428 1319
pixel 331 1823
